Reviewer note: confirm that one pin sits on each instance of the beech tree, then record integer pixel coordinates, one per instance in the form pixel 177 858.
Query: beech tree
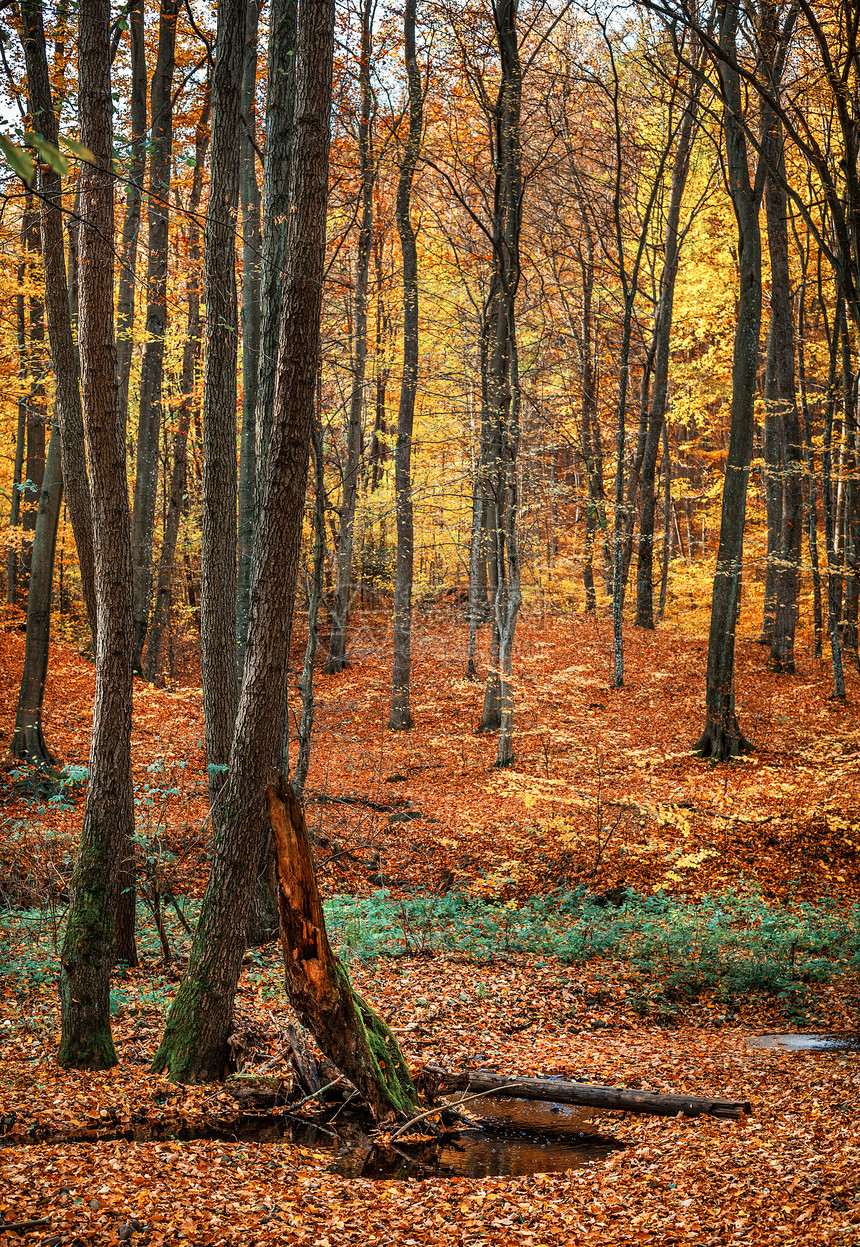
pixel 194 1045
pixel 87 952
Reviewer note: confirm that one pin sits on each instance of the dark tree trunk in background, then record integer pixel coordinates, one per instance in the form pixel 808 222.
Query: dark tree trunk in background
pixel 152 365
pixel 782 401
pixel 58 308
pixel 339 607
pixel 133 195
pixel 88 946
pixel 314 598
pixel 36 413
pixel 851 519
pixel 218 559
pixel 190 361
pixel 401 715
pixel 811 481
pixel 28 741
pixel 834 582
pixel 251 246
pixel 194 1046
pixel 661 340
pixel 722 737
pixel 12 557
pixel 589 436
pixel 772 474
pixel 502 385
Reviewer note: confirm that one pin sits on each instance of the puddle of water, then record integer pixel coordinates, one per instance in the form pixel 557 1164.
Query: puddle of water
pixel 847 1041
pixel 516 1139
pixel 475 1154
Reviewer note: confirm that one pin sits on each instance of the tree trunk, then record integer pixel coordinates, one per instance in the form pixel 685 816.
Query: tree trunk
pixel 280 100
pixel 36 414
pixel 218 560
pixel 190 361
pixel 314 598
pixel 662 339
pixel 133 197
pixel 28 741
pixel 337 658
pixel 152 366
pixel 347 1030
pixel 811 482
pixel 251 245
pixel 834 582
pixel 58 309
pixel 783 401
pixel 194 1046
pixel 722 737
pixel 401 715
pixel 12 556
pixel 88 946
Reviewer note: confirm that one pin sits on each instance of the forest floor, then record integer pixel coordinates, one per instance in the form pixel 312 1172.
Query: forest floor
pixel 610 909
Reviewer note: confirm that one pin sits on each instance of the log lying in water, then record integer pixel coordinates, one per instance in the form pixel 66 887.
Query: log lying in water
pixel 585 1094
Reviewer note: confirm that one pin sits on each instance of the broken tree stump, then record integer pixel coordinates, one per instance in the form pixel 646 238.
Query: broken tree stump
pixel 347 1030
pixel 587 1095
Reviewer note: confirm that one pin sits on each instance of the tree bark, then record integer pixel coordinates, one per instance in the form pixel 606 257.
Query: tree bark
pixel 133 196
pixel 152 366
pixel 339 609
pixel 88 946
pixel 662 339
pixel 280 102
pixel 194 1046
pixel 347 1030
pixel 58 308
pixel 190 361
pixel 783 400
pixel 251 250
pixel 401 714
pixel 28 741
pixel 218 560
pixel 834 582
pixel 722 737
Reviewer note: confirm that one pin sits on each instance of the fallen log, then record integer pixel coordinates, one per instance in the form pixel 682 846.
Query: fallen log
pixel 587 1095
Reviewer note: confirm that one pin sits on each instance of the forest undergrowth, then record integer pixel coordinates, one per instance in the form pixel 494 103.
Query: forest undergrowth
pixel 609 909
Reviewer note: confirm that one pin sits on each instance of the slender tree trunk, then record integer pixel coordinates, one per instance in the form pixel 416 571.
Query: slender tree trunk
pixel 401 715
pixel 36 413
pixel 280 100
pixel 834 581
pixel 790 533
pixel 661 340
pixel 28 741
pixel 58 308
pixel 194 1046
pixel 851 520
pixel 190 363
pixel 337 658
pixel 12 556
pixel 152 366
pixel 88 945
pixel 133 197
pixel 810 478
pixel 314 598
pixel 722 737
pixel 667 523
pixel 772 474
pixel 251 252
pixel 218 561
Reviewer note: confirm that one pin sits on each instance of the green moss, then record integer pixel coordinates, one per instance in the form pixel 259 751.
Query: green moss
pixel 388 1063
